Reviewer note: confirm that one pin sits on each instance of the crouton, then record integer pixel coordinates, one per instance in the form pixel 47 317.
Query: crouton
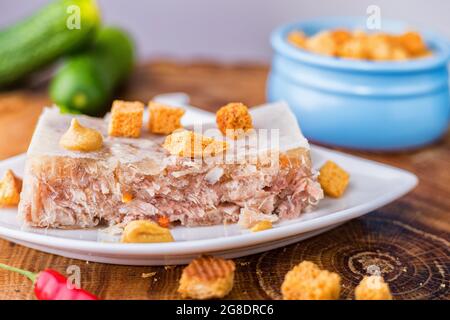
pixel 233 120
pixel 297 38
pixel 206 278
pixel 164 119
pixel 307 281
pixel 333 179
pixel 398 54
pixel 413 43
pixel 322 43
pixel 126 119
pixel 186 143
pixel 361 45
pixel 10 187
pixel 341 36
pixel 353 49
pixel 379 46
pixel 373 288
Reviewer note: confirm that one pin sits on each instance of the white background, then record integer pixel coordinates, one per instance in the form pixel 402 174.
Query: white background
pixel 232 30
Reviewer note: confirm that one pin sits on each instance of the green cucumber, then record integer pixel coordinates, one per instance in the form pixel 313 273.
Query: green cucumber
pixel 86 81
pixel 48 34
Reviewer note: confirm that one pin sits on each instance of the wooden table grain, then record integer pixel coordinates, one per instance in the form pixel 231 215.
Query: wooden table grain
pixel 408 240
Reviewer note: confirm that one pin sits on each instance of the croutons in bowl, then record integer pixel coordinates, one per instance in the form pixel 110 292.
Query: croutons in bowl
pixel 359 101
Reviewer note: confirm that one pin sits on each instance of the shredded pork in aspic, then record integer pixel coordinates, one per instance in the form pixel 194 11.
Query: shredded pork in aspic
pixel 69 192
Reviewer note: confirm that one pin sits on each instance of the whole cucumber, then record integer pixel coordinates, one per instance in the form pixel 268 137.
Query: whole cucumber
pixel 86 81
pixel 59 28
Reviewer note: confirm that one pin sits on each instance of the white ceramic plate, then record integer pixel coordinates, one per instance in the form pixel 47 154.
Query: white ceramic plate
pixel 372 185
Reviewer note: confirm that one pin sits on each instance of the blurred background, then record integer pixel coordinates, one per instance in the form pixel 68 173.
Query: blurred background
pixel 231 30
pixel 219 51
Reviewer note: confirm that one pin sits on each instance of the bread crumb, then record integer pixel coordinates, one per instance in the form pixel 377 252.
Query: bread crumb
pixel 333 179
pixel 373 288
pixel 144 231
pixel 262 225
pixel 207 277
pixel 307 281
pixel 126 119
pixel 10 188
pixel 234 120
pixel 164 119
pixel 248 218
pixel 185 143
pixel 148 275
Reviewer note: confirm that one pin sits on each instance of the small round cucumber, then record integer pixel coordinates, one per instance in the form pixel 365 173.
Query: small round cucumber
pixel 38 40
pixel 86 81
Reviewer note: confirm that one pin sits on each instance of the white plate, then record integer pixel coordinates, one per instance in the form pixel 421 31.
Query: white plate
pixel 372 185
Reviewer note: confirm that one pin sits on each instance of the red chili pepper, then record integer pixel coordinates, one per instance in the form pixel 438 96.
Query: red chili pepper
pixel 51 285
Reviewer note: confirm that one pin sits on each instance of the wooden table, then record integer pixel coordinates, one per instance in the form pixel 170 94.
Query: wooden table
pixel 408 239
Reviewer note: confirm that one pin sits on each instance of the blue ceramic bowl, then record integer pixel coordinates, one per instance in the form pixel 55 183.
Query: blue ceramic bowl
pixel 362 104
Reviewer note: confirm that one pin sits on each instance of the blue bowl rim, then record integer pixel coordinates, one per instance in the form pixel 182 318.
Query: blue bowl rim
pixel 439 58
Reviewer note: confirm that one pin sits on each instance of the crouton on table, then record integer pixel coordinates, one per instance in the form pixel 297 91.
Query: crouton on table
pixel 207 277
pixel 307 281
